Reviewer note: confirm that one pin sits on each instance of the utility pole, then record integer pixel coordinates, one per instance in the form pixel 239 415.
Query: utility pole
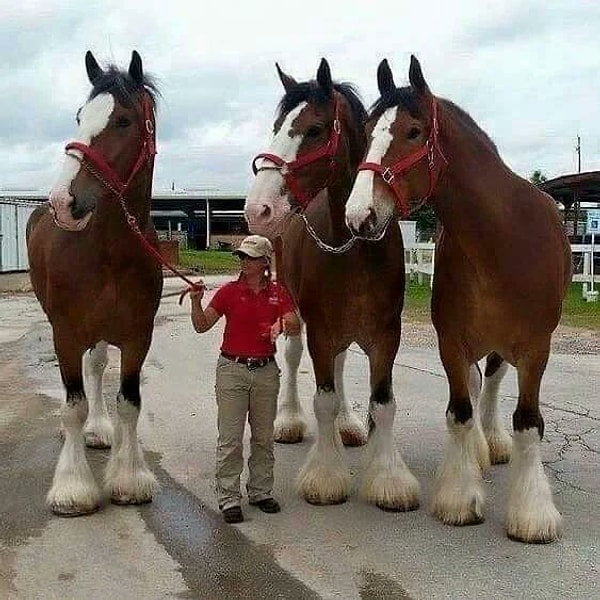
pixel 578 150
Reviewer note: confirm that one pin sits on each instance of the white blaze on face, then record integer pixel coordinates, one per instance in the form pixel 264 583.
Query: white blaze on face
pixel 266 207
pixel 362 198
pixel 93 119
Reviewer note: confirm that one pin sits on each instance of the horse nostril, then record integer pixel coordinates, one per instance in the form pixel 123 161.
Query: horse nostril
pixel 266 211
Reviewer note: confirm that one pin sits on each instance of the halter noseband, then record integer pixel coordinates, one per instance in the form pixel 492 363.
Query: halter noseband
pixel 289 169
pixel 428 150
pixel 98 165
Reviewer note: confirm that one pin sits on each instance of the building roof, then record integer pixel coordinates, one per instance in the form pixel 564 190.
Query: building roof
pixel 585 185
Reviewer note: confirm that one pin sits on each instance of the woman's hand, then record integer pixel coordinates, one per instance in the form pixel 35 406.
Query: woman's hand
pixel 196 292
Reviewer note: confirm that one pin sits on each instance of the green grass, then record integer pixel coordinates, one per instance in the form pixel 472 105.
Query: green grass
pixel 576 311
pixel 209 262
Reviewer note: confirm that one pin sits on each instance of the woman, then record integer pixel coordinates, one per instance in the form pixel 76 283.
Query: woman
pixel 256 312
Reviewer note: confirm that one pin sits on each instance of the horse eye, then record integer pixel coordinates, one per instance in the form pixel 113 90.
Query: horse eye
pixel 313 131
pixel 414 133
pixel 123 122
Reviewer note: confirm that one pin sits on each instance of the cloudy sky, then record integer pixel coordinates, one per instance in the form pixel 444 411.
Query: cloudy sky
pixel 527 70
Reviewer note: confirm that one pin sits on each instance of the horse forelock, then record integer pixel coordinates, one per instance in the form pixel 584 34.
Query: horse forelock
pixel 123 87
pixel 312 92
pixel 406 99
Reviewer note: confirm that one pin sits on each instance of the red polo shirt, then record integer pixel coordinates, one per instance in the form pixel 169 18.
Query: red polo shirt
pixel 249 316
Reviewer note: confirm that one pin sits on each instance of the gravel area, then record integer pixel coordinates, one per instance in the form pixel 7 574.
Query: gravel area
pixel 566 340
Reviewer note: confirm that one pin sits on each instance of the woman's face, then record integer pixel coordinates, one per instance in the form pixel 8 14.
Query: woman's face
pixel 253 266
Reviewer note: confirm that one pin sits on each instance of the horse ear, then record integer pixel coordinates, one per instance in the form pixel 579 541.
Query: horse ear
pixel 415 76
pixel 92 67
pixel 385 79
pixel 135 68
pixel 287 81
pixel 324 77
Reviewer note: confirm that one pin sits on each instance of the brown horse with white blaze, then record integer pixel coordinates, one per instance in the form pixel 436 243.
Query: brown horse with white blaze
pixel 503 265
pixel 343 297
pixel 98 285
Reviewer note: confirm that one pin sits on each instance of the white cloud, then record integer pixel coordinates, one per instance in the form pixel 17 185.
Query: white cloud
pixel 527 71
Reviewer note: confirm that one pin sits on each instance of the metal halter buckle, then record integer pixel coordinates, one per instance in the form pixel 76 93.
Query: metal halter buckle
pixel 387 176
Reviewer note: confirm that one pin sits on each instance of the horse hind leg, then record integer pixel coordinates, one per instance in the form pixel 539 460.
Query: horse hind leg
pixel 477 439
pixel 127 478
pixel 531 516
pixel 498 438
pixel 290 424
pixel 74 490
pixel 458 496
pixel 349 425
pixel 98 429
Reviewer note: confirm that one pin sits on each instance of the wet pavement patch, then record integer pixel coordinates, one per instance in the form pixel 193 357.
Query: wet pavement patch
pixel 217 561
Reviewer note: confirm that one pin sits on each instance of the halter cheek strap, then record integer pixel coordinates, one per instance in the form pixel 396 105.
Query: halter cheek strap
pixel 99 166
pixel 289 169
pixel 390 173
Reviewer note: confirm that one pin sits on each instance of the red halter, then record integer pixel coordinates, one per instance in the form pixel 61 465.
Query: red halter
pixel 97 164
pixel 289 169
pixel 429 149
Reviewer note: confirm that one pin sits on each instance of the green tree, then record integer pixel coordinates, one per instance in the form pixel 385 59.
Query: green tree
pixel 426 221
pixel 537 177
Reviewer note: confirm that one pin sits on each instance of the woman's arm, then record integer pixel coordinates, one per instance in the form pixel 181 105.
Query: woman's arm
pixel 202 320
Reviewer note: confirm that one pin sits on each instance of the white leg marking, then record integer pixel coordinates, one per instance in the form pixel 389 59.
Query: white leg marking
pixel 362 199
pixel 74 490
pixel 387 481
pixel 349 425
pixel 127 478
pixel 458 492
pixel 498 438
pixel 532 516
pixel 325 478
pixel 98 429
pixel 290 424
pixel 481 447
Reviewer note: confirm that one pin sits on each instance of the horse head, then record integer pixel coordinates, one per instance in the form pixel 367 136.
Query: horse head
pixel 404 157
pixel 317 134
pixel 114 142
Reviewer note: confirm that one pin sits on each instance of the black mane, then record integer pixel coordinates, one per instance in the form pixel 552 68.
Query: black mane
pixel 311 91
pixel 406 99
pixel 121 85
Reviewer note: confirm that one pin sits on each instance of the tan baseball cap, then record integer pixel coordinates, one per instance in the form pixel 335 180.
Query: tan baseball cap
pixel 255 246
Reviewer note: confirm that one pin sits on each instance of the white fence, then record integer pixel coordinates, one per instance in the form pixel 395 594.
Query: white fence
pixel 419 259
pixel 13 250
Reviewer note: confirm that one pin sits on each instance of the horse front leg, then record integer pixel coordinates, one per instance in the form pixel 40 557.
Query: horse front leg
pixel 387 481
pixel 458 496
pixel 74 490
pixel 531 516
pixel 324 478
pixel 349 425
pixel 498 438
pixel 290 424
pixel 127 478
pixel 98 429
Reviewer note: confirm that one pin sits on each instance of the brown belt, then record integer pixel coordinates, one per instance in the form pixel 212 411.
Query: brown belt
pixel 250 361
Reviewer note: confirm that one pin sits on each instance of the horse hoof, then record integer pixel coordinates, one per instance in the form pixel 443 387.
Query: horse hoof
pixel 395 508
pixel 285 438
pixel 95 441
pixel 353 439
pixel 323 502
pixel 126 500
pixel 71 510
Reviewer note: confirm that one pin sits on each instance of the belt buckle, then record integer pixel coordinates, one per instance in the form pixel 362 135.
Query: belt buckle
pixel 253 363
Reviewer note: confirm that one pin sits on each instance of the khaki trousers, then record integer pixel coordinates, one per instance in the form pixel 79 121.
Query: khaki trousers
pixel 253 394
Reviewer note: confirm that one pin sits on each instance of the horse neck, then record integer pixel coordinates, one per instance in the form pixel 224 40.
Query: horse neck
pixel 469 198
